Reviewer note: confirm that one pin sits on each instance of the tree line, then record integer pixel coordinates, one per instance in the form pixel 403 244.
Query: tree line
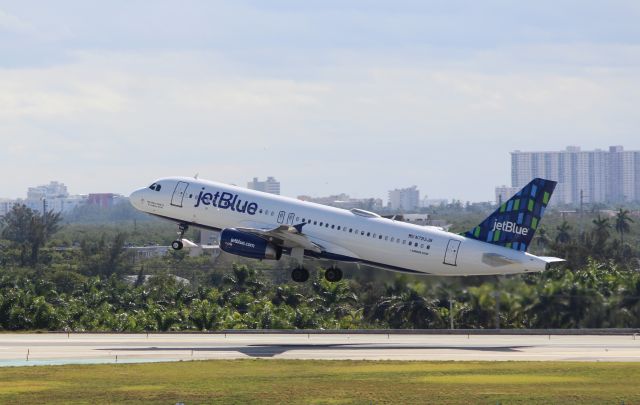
pixel 82 287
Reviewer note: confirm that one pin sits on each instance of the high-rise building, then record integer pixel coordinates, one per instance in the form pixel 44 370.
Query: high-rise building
pixel 270 185
pixel 404 199
pixel 583 176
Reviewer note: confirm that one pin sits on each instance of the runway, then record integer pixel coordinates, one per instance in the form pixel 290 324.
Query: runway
pixel 40 349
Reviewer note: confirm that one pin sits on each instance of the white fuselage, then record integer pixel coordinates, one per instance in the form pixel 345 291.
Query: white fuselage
pixel 344 235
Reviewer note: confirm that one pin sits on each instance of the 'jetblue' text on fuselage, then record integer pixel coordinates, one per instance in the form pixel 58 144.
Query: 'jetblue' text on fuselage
pixel 225 201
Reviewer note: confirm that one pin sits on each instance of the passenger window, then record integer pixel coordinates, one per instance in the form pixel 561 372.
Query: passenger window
pixel 333 226
pixel 392 239
pixel 380 237
pixel 303 220
pixel 362 233
pixel 326 225
pixel 428 246
pixel 320 223
pixel 338 227
pixel 368 233
pixel 315 222
pixel 387 238
pixel 350 230
pixel 260 211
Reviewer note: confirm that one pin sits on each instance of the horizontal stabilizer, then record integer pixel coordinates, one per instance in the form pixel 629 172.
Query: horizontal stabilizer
pixel 497 260
pixel 549 259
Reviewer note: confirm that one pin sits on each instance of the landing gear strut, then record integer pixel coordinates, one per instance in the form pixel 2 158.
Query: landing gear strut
pixel 300 274
pixel 333 274
pixel 177 244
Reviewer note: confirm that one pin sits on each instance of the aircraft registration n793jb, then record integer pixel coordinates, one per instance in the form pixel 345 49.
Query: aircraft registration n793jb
pixel 264 226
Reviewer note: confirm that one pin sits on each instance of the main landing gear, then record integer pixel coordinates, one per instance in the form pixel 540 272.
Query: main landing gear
pixel 177 244
pixel 333 274
pixel 300 274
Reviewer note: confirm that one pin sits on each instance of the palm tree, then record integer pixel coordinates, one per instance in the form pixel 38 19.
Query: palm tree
pixel 601 231
pixel 409 310
pixel 622 223
pixel 543 239
pixel 564 235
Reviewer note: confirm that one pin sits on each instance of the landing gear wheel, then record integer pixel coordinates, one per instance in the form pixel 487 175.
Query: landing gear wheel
pixel 177 244
pixel 333 274
pixel 300 274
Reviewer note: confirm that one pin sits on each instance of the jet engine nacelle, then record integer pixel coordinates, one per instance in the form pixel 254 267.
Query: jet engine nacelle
pixel 248 245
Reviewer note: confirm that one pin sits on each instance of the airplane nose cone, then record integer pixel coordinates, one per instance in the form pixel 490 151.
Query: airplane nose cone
pixel 137 198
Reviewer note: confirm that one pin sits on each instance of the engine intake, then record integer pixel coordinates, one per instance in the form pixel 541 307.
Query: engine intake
pixel 248 245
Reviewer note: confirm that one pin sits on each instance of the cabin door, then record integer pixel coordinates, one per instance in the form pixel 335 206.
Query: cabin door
pixel 451 255
pixel 178 193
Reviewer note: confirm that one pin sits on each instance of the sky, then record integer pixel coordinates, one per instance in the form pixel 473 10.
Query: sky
pixel 327 96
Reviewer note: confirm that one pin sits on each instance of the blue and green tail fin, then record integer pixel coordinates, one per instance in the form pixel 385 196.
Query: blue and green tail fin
pixel 515 222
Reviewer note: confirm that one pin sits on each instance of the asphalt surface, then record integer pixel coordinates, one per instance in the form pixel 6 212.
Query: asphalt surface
pixel 38 349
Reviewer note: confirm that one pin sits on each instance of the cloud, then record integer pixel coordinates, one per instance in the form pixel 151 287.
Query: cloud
pixel 14 25
pixel 131 116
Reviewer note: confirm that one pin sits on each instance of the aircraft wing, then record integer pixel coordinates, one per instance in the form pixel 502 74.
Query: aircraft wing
pixel 288 236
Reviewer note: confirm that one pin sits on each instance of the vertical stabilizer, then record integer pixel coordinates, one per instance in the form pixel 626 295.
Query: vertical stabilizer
pixel 514 223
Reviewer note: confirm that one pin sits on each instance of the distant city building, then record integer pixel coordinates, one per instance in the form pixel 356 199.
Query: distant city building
pixel 209 237
pixel 50 191
pixel 596 176
pixel 346 202
pixel 103 200
pixel 6 206
pixel 55 197
pixel 433 202
pixel 270 185
pixel 404 199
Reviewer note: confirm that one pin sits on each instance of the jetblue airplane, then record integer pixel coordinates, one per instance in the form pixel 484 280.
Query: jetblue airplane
pixel 265 226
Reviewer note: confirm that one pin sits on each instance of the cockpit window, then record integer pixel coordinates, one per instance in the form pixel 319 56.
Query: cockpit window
pixel 158 187
pixel 155 187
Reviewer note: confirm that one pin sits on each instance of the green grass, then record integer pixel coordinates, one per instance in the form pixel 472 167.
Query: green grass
pixel 325 382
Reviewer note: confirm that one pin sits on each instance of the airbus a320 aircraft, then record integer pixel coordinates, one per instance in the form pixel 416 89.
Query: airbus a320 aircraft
pixel 265 226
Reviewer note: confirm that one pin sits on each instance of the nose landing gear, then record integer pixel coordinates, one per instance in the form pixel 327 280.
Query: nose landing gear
pixel 177 244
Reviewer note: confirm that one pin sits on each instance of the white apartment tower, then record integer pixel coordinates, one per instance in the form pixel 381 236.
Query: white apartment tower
pixel 270 185
pixel 404 199
pixel 596 176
